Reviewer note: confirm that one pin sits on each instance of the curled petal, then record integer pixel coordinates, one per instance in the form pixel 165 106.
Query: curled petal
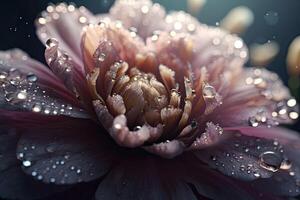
pixel 124 137
pixel 264 99
pixel 144 16
pixel 64 22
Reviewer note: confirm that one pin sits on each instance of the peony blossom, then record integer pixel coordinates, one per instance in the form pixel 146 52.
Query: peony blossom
pixel 141 104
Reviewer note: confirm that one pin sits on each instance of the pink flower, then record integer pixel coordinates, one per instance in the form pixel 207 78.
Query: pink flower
pixel 140 104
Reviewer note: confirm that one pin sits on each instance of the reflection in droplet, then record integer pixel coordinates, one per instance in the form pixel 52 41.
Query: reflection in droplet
pixel 209 91
pixel 270 161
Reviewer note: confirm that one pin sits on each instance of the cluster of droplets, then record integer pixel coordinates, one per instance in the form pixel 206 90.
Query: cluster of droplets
pixel 271 159
pixel 64 163
pixel 272 88
pixel 262 117
pixel 54 12
pixel 21 91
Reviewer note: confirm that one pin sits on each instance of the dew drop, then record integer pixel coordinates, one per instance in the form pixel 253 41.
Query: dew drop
pixel 286 165
pixel 209 91
pixel 26 163
pixel 52 180
pixel 270 161
pixel 101 57
pixel 22 95
pixel 136 128
pixel 36 108
pixel 51 42
pixel 31 77
pixel 3 75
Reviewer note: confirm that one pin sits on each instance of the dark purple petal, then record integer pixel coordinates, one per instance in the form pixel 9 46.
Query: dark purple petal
pixel 14 183
pixel 243 157
pixel 65 152
pixel 184 177
pixel 27 85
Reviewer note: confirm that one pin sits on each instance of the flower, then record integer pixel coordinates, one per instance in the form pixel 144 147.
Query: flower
pixel 140 104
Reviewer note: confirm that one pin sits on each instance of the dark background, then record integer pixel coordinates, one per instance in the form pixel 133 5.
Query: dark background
pixel 17 28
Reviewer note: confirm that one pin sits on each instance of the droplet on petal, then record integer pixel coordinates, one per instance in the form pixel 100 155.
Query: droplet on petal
pixel 52 42
pixel 209 91
pixel 270 161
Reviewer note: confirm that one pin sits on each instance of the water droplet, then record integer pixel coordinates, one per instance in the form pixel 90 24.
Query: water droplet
pixel 31 77
pixel 51 42
pixel 52 180
pixel 291 102
pixel 36 108
pixel 26 163
pixel 82 19
pixel 136 128
pixel 3 75
pixel 286 164
pixel 293 115
pixel 209 91
pixel 238 44
pixel 34 173
pixel 22 95
pixel 270 161
pixel 101 57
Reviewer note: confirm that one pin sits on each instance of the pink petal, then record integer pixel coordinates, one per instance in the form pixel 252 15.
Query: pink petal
pixel 65 22
pixel 142 15
pixel 257 97
pixel 107 43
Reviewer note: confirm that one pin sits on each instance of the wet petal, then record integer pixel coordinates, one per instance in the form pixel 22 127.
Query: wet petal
pixel 144 16
pixel 64 22
pixel 244 157
pixel 15 184
pixel 106 43
pixel 27 85
pixel 263 98
pixel 187 178
pixel 62 155
pixel 64 67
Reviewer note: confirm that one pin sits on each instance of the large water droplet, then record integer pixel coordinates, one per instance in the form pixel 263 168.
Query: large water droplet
pixel 209 91
pixel 51 42
pixel 270 161
pixel 31 77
